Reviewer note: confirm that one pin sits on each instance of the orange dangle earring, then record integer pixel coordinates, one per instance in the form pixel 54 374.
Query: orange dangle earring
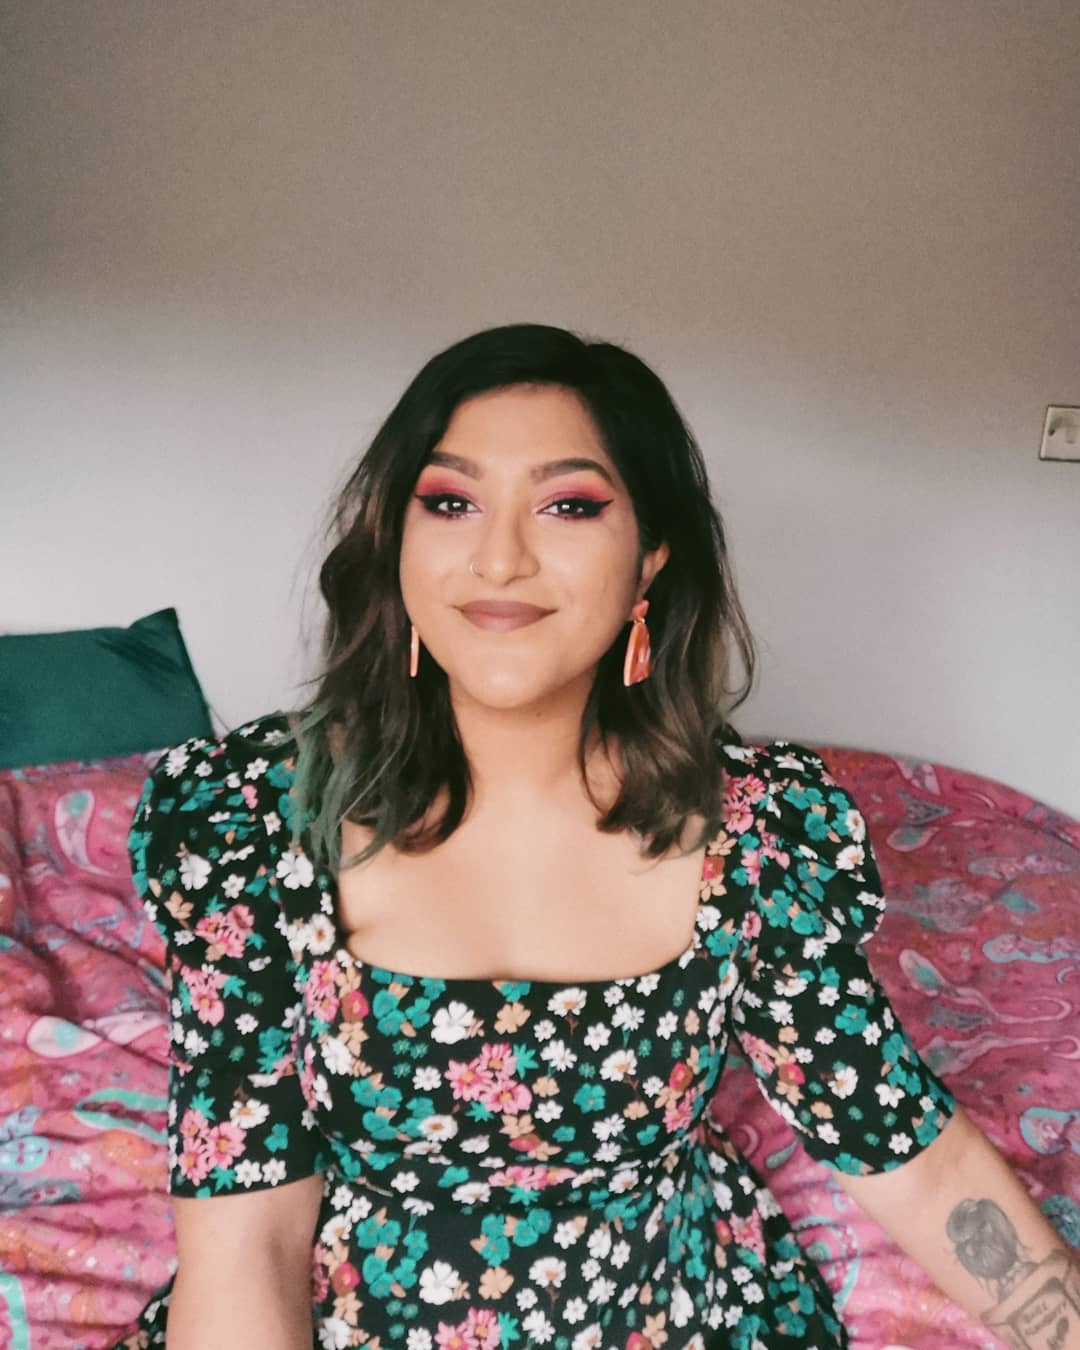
pixel 414 652
pixel 638 663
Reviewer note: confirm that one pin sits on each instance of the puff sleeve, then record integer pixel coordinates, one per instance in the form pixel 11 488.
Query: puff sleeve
pixel 201 848
pixel 827 1048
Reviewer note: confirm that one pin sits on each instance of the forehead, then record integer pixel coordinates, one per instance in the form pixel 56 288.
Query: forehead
pixel 530 423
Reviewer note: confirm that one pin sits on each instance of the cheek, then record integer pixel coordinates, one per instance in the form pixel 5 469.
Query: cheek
pixel 428 549
pixel 602 580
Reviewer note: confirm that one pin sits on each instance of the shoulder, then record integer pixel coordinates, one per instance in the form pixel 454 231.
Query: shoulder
pixel 772 759
pixel 794 792
pixel 800 832
pixel 210 805
pixel 192 777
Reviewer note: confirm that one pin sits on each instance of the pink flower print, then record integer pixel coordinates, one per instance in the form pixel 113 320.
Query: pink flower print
pixel 320 1282
pixel 224 1143
pixel 741 796
pixel 679 1114
pixel 212 927
pixel 241 920
pixel 203 986
pixel 320 994
pixel 681 1077
pixel 489 1079
pixel 497 1060
pixel 507 1097
pixel 747 1233
pixel 451 1337
pixel 482 1329
pixel 723 1232
pixel 250 795
pixel 760 1053
pixel 307 1078
pixel 354 1005
pixel 769 850
pixel 468 1081
pixel 751 862
pixel 194 1162
pixel 345 1277
pixel 228 930
pixel 740 819
pixel 531 1178
pixel 192 1126
pixel 791 1078
pixel 751 925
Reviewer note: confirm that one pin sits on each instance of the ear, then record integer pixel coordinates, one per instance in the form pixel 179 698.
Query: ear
pixel 651 564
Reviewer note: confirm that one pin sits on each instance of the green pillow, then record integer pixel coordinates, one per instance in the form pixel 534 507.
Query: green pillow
pixel 96 692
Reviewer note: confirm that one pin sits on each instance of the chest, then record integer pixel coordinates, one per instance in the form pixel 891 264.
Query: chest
pixel 554 900
pixel 579 1091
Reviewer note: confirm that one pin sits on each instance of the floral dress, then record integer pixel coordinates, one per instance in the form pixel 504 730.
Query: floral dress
pixel 515 1164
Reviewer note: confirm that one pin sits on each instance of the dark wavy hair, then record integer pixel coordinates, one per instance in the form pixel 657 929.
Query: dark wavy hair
pixel 396 742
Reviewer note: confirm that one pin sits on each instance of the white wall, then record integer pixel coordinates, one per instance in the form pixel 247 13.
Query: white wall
pixel 846 233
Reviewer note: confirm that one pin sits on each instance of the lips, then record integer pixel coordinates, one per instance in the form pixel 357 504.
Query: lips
pixel 502 615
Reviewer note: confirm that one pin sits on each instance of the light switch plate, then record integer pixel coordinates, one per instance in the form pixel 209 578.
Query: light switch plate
pixel 1061 433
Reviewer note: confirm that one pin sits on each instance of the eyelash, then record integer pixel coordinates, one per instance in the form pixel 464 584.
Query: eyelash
pixel 591 508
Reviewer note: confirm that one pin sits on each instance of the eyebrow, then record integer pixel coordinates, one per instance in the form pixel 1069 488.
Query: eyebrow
pixel 539 474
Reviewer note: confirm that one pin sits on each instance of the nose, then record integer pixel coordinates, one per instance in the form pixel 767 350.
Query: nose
pixel 504 551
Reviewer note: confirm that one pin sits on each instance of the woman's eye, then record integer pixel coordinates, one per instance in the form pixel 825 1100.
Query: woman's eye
pixel 581 508
pixel 446 504
pixel 434 501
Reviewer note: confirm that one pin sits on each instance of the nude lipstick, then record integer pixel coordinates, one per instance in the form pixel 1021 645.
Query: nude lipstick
pixel 501 616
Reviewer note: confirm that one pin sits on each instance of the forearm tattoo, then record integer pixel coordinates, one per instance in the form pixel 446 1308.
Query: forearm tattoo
pixel 1036 1304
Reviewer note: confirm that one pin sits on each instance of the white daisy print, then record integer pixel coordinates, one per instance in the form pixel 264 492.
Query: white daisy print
pixel 439 1127
pixel 439 1282
pixel 549 1271
pixel 321 935
pixel 193 872
pixel 177 761
pixel 248 1172
pixel 294 869
pixel 567 1002
pixel 844 1081
pixel 452 1023
pixel 249 1113
pixel 597 1036
pixel 619 1064
pixel 628 1017
pixel 559 1055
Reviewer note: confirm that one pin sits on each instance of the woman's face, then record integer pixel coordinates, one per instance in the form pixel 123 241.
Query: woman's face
pixel 521 486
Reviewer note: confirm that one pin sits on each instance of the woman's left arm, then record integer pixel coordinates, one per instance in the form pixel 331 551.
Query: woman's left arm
pixel 959 1210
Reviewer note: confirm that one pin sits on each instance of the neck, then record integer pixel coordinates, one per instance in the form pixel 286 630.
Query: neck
pixel 522 756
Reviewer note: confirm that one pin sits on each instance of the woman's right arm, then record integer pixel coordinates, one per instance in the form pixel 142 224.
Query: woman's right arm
pixel 246 1156
pixel 244 1275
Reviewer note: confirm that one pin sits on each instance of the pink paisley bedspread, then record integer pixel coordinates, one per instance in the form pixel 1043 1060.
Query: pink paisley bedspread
pixel 979 951
pixel 85 1232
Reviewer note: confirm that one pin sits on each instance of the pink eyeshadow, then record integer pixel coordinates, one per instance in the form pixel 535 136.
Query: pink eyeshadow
pixel 428 485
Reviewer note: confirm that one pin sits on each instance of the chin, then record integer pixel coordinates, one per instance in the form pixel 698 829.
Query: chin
pixel 510 689
pixel 509 693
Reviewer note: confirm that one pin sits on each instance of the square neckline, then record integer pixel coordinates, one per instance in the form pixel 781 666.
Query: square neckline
pixel 385 975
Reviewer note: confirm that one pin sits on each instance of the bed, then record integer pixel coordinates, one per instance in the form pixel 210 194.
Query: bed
pixel 979 950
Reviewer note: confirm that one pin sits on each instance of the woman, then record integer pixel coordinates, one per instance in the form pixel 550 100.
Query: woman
pixel 456 954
